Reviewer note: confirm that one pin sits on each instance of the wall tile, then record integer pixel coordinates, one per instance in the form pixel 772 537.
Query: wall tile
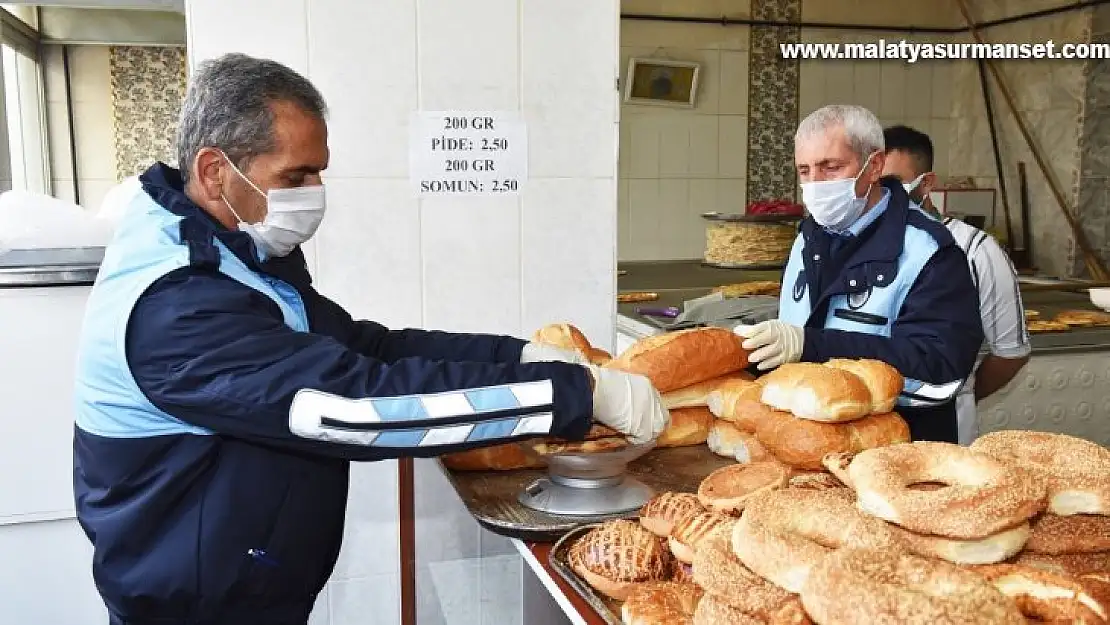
pixel 371 103
pixel 368 250
pixel 734 83
pixel 471 256
pixel 371 539
pixel 732 161
pixel 867 83
pixel 893 97
pixel 565 129
pixel 645 231
pixel 571 222
pixel 92 121
pixel 440 514
pixel 367 601
pixel 646 151
pixel 919 82
pixel 463 72
pixel 704 146
pixel 88 71
pixel 675 150
pixel 223 27
pixel 732 195
pixel 321 613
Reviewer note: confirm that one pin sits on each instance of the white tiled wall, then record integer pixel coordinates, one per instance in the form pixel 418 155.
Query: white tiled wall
pixel 504 265
pixel 676 164
pixel 90 82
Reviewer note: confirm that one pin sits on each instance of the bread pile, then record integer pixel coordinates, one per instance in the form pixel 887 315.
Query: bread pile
pixel 1014 530
pixel 566 336
pixel 1066 320
pixel 801 412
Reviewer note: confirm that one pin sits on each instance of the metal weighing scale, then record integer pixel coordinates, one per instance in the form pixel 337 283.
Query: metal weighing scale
pixel 595 484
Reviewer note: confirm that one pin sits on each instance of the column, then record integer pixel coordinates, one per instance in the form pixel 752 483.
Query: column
pixel 505 265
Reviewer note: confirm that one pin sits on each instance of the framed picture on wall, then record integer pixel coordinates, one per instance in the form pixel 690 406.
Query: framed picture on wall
pixel 661 82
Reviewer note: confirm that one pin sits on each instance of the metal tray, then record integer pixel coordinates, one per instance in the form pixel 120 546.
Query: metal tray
pixel 765 218
pixel 608 609
pixel 748 266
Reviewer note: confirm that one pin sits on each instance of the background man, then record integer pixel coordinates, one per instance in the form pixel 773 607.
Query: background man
pixel 220 398
pixel 909 157
pixel 872 277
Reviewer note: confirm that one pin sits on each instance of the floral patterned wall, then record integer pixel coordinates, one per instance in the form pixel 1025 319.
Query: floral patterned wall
pixel 772 102
pixel 148 86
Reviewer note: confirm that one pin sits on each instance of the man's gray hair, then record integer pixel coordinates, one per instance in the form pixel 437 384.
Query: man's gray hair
pixel 861 128
pixel 228 105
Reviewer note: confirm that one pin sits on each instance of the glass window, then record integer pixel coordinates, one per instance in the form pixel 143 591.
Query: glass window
pixel 24 163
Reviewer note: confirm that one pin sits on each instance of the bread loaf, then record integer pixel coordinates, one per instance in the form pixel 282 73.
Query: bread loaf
pixel 689 426
pixel 737 401
pixel 883 381
pixel 683 358
pixel 692 530
pixel 698 394
pixel 507 457
pixel 563 336
pixel 599 357
pixel 728 440
pixel 803 444
pixel 816 392
pixel 728 489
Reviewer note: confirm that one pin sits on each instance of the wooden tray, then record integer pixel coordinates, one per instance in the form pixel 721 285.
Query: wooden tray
pixel 608 609
pixel 491 496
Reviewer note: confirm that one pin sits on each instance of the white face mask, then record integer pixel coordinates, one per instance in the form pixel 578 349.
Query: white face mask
pixel 292 216
pixel 833 203
pixel 910 187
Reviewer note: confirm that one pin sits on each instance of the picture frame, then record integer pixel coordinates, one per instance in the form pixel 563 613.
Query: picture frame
pixel 662 82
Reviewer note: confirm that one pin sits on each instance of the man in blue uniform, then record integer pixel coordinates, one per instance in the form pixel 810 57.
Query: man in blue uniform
pixel 871 277
pixel 220 398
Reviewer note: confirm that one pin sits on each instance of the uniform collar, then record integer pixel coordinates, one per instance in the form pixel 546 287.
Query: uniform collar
pixel 166 187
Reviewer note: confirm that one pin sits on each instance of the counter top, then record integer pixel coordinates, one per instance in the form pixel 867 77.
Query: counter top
pixel 680 281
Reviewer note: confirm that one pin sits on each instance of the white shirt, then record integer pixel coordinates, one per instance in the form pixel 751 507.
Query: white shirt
pixel 1000 305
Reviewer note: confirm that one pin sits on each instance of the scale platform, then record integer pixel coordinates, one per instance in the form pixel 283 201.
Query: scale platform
pixel 589 484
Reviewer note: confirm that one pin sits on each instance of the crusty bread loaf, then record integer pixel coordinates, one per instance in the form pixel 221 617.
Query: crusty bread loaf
pixel 803 444
pixel 882 380
pixel 738 401
pixel 689 426
pixel 698 394
pixel 564 336
pixel 677 359
pixel 598 356
pixel 507 457
pixel 728 440
pixel 816 392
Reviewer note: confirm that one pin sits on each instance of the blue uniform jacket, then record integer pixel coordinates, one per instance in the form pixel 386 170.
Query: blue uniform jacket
pixel 938 330
pixel 231 518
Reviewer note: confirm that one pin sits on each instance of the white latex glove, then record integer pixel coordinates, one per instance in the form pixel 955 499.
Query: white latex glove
pixel 538 352
pixel 775 343
pixel 629 404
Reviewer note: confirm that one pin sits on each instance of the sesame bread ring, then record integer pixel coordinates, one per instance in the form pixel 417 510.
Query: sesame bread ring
pixel 720 573
pixel 855 586
pixel 714 610
pixel 1077 471
pixel 662 511
pixel 989 550
pixel 784 534
pixel 1071 564
pixel 661 603
pixel 983 496
pixel 1078 533
pixel 1045 597
pixel 1098 585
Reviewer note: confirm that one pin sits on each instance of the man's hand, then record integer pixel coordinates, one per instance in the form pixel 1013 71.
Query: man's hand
pixel 629 404
pixel 775 343
pixel 538 352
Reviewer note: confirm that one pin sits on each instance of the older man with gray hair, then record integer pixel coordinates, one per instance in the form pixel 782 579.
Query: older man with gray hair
pixel 871 277
pixel 220 398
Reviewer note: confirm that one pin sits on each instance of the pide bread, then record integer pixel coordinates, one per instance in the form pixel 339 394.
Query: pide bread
pixel 678 359
pixel 598 439
pixel 803 444
pixel 697 394
pixel 816 392
pixel 616 556
pixel 688 426
pixel 728 440
pixel 507 457
pixel 737 401
pixel 1083 318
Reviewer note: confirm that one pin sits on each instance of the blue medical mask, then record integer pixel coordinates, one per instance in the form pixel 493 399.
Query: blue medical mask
pixel 833 203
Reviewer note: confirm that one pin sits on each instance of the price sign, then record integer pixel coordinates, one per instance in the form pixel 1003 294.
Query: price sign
pixel 467 153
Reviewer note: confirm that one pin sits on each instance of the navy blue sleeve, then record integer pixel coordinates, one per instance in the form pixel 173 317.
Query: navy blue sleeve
pixel 214 353
pixel 375 340
pixel 938 332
